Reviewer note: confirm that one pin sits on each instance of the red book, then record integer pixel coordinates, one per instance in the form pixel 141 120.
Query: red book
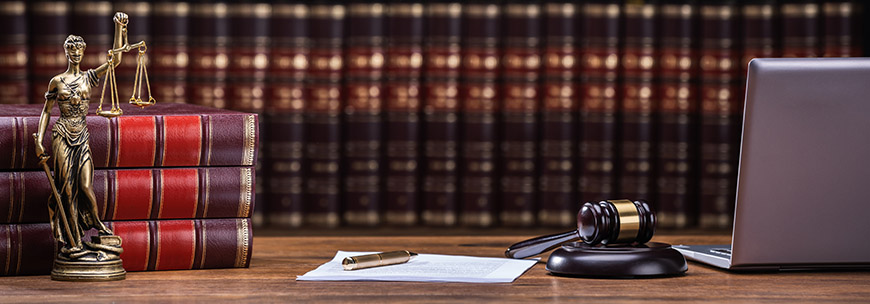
pixel 721 108
pixel 404 66
pixel 138 194
pixel 14 85
pixel 639 101
pixel 520 72
pixel 322 124
pixel 600 101
pixel 29 249
pixel 285 111
pixel 480 105
pixel 49 27
pixel 440 161
pixel 209 39
pixel 364 58
pixel 169 50
pixel 163 135
pixel 138 29
pixel 843 33
pixel 801 22
pixel 676 163
pixel 560 92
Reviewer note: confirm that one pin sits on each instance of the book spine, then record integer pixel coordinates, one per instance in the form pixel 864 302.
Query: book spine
pixel 138 194
pixel 49 26
pixel 364 55
pixel 168 54
pixel 759 32
pixel 480 107
pixel 144 141
pixel 801 21
pixel 442 56
pixel 322 125
pixel 560 94
pixel 842 37
pixel 138 29
pixel 520 72
pixel 638 89
pixel 676 203
pixel 600 102
pixel 285 115
pixel 14 85
pixel 720 113
pixel 209 40
pixel 148 245
pixel 92 21
pixel 404 67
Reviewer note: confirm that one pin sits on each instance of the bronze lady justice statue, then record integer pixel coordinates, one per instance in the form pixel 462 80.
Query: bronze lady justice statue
pixel 73 209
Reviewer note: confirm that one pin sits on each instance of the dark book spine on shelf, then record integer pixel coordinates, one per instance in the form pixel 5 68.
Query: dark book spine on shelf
pixel 25 249
pixel 520 96
pixel 151 139
pixel 49 27
pixel 479 92
pixel 209 40
pixel 285 115
pixel 639 101
pixel 323 122
pixel 363 158
pixel 720 113
pixel 138 194
pixel 442 55
pixel 169 53
pixel 93 21
pixel 759 32
pixel 402 84
pixel 138 29
pixel 560 98
pixel 801 21
pixel 14 85
pixel 600 63
pixel 842 37
pixel 676 203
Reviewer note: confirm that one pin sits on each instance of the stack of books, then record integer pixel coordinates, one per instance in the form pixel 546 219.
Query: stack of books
pixel 174 181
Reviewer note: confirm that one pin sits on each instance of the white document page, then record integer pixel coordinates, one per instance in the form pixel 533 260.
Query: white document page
pixel 425 268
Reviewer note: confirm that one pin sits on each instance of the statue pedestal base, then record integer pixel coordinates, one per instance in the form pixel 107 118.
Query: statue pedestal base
pixel 88 271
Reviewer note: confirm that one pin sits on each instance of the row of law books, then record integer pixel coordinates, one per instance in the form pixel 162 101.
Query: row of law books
pixel 462 113
pixel 174 181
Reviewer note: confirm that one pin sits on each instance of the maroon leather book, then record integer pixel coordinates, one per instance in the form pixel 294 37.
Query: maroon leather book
pixel 364 56
pixel 676 158
pixel 209 40
pixel 49 24
pixel 480 96
pixel 442 53
pixel 801 22
pixel 138 29
pixel 721 105
pixel 169 51
pixel 561 95
pixel 93 21
pixel 402 88
pixel 138 194
pixel 600 101
pixel 162 135
pixel 520 72
pixel 843 31
pixel 14 85
pixel 638 89
pixel 29 249
pixel 286 105
pixel 759 31
pixel 249 56
pixel 322 124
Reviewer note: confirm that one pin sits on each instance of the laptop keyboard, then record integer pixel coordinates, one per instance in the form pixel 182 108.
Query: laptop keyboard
pixel 722 251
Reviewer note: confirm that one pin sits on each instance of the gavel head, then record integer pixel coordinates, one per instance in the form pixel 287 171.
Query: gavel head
pixel 615 222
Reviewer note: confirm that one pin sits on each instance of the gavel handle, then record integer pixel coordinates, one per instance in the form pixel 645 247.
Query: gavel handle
pixel 539 244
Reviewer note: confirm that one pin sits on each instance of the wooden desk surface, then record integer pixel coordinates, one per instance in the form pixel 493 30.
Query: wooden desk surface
pixel 277 261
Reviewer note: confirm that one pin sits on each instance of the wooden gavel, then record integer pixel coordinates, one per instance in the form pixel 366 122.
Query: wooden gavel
pixel 605 222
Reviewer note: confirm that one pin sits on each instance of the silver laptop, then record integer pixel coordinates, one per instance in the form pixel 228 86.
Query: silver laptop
pixel 803 187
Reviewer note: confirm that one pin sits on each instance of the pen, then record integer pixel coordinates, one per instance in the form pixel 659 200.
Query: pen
pixel 377 259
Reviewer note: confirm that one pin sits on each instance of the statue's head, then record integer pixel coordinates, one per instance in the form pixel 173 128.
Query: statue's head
pixel 74 47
